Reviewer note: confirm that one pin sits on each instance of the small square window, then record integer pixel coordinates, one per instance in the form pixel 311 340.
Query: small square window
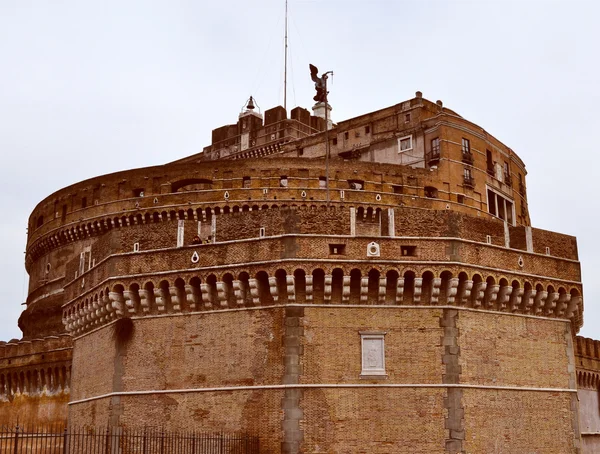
pixel 334 141
pixel 397 189
pixel 407 118
pixel 357 185
pixel 408 251
pixel 372 354
pixel 405 143
pixel 367 129
pixel 337 249
pixel 460 198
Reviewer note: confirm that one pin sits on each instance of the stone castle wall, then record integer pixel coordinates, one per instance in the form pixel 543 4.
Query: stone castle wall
pixel 35 379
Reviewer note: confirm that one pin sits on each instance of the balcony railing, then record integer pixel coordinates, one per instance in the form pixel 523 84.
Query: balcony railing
pixel 469 181
pixel 432 157
pixel 467 157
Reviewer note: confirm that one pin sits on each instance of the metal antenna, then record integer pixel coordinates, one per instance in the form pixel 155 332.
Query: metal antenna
pixel 285 59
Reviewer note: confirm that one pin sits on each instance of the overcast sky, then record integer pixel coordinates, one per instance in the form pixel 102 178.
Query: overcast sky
pixel 88 88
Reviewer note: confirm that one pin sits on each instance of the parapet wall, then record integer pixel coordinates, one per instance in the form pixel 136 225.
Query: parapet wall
pixel 35 380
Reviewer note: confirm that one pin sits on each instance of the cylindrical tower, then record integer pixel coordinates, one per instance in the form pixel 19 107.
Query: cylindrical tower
pixel 418 308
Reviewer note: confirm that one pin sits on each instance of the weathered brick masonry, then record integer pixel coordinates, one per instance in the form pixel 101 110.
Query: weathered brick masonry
pixel 404 304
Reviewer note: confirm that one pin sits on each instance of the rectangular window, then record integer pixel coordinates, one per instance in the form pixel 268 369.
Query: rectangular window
pixel 507 179
pixel 435 146
pixel 500 206
pixel 397 189
pixel 83 202
pixel 283 181
pixel 408 251
pixel 334 141
pixel 346 135
pixel 405 143
pixel 460 198
pixel 509 212
pixel 373 353
pixel 466 145
pixel 407 118
pixel 489 162
pixel 246 182
pixel 357 185
pixel 322 182
pixel 367 129
pixel 491 202
pixel 337 249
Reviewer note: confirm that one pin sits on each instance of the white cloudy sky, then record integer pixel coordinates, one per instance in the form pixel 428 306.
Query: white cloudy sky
pixel 88 88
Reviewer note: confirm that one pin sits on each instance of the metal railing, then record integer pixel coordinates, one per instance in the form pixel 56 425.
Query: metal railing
pixel 120 440
pixel 467 157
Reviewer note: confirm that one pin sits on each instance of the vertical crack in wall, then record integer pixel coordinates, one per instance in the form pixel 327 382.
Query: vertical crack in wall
pixel 573 385
pixel 454 423
pixel 290 404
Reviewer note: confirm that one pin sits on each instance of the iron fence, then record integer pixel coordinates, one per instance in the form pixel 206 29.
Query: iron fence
pixel 121 440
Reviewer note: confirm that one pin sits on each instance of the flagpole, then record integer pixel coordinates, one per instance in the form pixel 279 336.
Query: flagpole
pixel 285 59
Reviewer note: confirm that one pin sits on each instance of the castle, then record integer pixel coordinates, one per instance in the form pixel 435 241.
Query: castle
pixel 391 298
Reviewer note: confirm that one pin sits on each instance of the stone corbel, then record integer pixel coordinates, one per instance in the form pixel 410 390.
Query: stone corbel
pixel 400 290
pixel 464 292
pixel 131 300
pixel 160 299
pixel 309 288
pixel 540 301
pixel 452 290
pixel 418 290
pixel 117 303
pixel 551 302
pixel 239 292
pixel 327 288
pixel 221 294
pixel 192 296
pixel 146 299
pixel 382 290
pixel 491 295
pixel 364 290
pixel 516 298
pixel 528 299
pixel 254 293
pixel 563 303
pixel 504 296
pixel 574 306
pixel 273 289
pixel 346 289
pixel 206 296
pixel 290 283
pixel 478 293
pixel 175 300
